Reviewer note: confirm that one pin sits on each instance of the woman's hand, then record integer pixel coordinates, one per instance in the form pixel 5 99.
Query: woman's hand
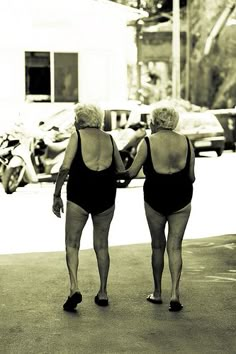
pixel 122 175
pixel 57 207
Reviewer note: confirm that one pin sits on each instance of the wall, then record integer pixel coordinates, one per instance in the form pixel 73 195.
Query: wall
pixel 94 29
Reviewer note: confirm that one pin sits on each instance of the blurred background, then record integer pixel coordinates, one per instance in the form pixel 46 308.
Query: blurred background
pixel 55 53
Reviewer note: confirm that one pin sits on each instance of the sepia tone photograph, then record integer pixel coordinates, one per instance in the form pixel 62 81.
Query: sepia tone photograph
pixel 117 176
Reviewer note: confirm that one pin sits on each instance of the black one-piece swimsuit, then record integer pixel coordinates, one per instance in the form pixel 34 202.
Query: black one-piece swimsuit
pixel 167 193
pixel 94 191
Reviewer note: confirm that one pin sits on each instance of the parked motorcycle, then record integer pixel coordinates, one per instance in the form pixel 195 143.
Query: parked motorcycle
pixel 33 160
pixel 127 141
pixel 7 145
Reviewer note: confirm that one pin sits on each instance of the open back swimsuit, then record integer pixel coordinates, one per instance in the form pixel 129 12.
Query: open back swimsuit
pixel 167 193
pixel 94 191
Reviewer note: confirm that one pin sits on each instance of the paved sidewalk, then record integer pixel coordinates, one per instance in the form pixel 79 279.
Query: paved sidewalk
pixel 34 286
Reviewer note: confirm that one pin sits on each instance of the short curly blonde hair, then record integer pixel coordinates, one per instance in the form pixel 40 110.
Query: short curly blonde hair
pixel 165 117
pixel 88 116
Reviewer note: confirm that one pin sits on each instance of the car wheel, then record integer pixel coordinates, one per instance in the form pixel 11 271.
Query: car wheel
pixel 219 152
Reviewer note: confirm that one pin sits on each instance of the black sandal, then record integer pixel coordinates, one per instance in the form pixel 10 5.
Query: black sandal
pixel 100 302
pixel 175 306
pixel 72 302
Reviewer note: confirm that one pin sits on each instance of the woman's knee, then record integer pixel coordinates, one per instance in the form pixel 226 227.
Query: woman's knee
pixel 174 244
pixel 73 231
pixel 100 245
pixel 158 244
pixel 72 240
pixel 72 245
pixel 101 233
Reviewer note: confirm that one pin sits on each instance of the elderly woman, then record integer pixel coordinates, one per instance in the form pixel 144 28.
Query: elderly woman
pixel 91 160
pixel 168 159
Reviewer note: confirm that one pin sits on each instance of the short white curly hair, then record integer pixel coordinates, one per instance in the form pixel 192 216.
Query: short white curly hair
pixel 165 117
pixel 88 115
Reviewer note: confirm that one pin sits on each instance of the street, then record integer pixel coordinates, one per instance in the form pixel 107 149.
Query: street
pixel 28 224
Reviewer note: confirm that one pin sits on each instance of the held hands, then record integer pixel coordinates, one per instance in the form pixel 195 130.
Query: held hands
pixel 57 207
pixel 122 175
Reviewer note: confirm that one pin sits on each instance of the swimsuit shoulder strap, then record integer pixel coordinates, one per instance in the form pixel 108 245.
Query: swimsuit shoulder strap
pixel 78 133
pixel 79 138
pixel 112 141
pixel 112 145
pixel 149 156
pixel 79 148
pixel 148 145
pixel 188 154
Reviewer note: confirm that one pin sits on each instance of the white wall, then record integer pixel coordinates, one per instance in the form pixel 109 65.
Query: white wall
pixel 95 30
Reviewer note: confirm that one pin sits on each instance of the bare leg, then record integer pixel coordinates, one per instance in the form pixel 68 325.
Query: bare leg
pixel 101 224
pixel 156 223
pixel 76 219
pixel 177 224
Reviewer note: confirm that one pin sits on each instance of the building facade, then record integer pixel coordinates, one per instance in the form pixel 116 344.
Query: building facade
pixel 55 53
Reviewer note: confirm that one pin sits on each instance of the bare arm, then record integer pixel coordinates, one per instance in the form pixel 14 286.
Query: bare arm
pixel 62 174
pixel 118 161
pixel 137 163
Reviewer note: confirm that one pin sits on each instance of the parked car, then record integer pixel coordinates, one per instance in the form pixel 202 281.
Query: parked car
pixel 204 130
pixel 227 118
pixel 202 127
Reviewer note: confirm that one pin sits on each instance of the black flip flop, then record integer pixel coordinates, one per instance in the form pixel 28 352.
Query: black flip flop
pixel 175 306
pixel 100 302
pixel 72 301
pixel 151 299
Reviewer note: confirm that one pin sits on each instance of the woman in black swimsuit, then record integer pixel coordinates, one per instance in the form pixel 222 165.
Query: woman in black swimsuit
pixel 168 164
pixel 91 160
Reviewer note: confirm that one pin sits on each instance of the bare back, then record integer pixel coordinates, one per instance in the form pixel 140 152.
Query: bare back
pixel 96 147
pixel 169 151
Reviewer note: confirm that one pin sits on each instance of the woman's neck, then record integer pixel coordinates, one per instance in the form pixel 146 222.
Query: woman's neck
pixel 161 129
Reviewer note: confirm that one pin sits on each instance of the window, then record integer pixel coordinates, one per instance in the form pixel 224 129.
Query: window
pixel 51 78
pixel 37 75
pixel 66 77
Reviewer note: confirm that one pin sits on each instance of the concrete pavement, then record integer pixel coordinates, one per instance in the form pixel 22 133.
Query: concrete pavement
pixel 34 286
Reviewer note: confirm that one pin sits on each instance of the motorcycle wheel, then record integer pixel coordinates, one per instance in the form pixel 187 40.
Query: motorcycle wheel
pixel 127 161
pixel 2 170
pixel 10 179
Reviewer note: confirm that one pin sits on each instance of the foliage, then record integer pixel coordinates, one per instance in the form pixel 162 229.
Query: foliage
pixel 217 70
pixel 217 88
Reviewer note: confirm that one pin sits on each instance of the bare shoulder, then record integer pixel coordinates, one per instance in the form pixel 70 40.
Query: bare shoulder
pixel 73 139
pixel 105 134
pixel 168 136
pixel 180 137
pixel 74 135
pixel 108 138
